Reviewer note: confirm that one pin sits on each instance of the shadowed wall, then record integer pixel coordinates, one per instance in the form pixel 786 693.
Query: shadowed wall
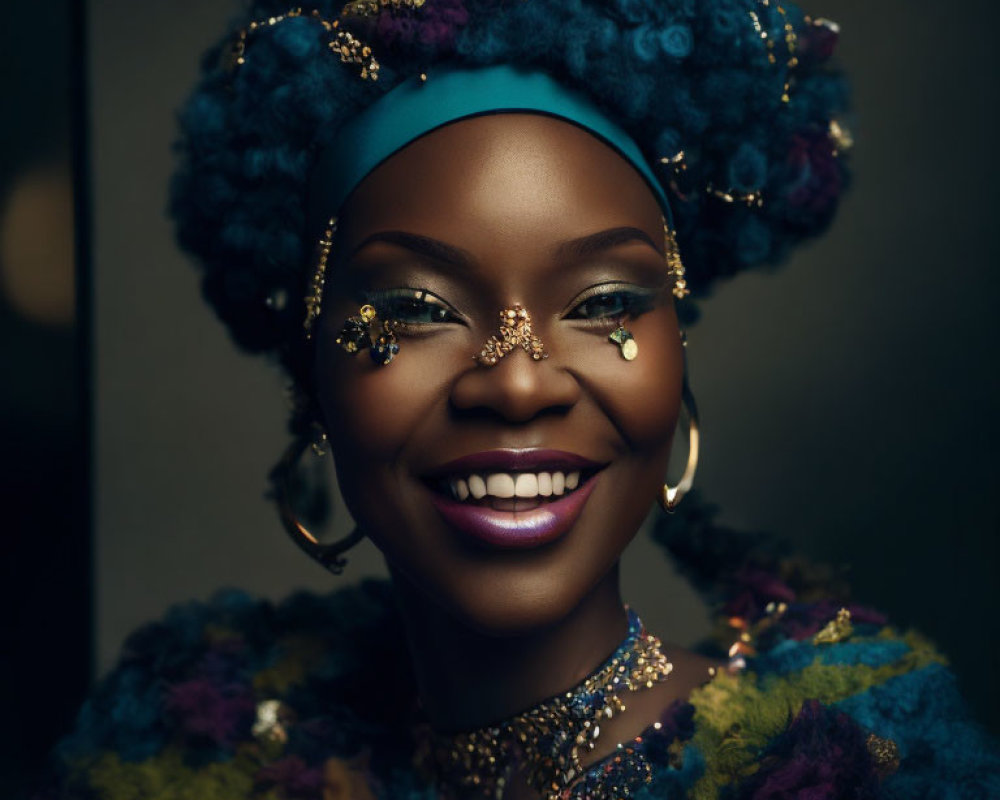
pixel 848 401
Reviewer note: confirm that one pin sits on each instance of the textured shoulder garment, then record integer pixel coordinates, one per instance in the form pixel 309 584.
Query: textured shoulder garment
pixel 312 699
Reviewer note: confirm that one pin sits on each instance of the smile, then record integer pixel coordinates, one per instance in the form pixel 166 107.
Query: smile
pixel 505 490
pixel 514 498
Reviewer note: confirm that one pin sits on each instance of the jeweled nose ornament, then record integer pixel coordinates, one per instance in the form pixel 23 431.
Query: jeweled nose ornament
pixel 515 331
pixel 367 331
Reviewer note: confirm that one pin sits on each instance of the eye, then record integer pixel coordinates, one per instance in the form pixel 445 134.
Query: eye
pixel 611 303
pixel 412 307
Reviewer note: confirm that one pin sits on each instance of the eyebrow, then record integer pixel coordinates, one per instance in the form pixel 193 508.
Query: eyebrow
pixel 596 243
pixel 422 245
pixel 584 247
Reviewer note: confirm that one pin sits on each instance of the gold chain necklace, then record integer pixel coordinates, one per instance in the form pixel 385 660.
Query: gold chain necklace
pixel 546 741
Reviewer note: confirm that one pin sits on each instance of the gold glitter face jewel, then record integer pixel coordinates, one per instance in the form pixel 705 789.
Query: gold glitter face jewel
pixel 367 332
pixel 515 332
pixel 624 339
pixel 545 743
pixel 674 264
pixel 314 300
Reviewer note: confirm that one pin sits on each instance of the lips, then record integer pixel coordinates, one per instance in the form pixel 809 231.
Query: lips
pixel 514 498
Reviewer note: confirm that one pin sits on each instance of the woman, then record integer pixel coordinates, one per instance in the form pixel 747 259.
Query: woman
pixel 462 228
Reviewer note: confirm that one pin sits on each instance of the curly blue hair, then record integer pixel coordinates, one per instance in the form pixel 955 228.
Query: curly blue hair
pixel 743 89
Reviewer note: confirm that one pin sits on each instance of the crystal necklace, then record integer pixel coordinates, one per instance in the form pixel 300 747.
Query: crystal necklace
pixel 546 741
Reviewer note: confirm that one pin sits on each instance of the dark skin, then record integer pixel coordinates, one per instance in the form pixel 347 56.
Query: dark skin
pixel 486 213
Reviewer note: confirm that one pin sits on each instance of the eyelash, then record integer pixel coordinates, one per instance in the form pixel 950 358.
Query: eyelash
pixel 628 301
pixel 399 304
pixel 403 305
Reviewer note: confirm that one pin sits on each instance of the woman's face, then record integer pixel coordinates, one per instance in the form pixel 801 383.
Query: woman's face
pixel 467 221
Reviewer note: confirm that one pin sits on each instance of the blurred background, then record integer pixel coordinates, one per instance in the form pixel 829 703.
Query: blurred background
pixel 849 401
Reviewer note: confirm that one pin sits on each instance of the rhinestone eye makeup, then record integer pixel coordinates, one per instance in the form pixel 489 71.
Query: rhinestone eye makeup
pixel 367 332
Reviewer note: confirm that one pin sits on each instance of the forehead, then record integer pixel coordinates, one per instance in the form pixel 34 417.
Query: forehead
pixel 513 175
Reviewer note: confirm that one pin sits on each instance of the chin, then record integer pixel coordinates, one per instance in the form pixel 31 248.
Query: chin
pixel 512 593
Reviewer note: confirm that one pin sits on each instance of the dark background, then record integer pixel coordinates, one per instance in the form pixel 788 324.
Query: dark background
pixel 849 401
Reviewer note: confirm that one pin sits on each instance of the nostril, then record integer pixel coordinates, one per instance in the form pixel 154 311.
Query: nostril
pixel 517 389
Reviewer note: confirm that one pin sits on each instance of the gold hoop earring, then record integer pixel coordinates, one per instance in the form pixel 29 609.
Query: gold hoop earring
pixel 329 555
pixel 671 496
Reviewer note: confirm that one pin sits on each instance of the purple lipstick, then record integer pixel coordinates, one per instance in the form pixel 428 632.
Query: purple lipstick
pixel 514 498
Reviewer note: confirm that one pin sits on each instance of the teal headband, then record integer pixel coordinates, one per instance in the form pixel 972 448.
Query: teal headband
pixel 416 107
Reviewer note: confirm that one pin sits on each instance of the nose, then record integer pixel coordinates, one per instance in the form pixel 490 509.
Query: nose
pixel 517 388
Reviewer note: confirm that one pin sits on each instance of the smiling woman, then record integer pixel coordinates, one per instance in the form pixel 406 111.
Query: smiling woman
pixel 529 202
pixel 468 231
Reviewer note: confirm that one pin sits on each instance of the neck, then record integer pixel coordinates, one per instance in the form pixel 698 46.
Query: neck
pixel 468 678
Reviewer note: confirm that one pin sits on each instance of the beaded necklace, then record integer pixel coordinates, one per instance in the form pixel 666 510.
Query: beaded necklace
pixel 546 741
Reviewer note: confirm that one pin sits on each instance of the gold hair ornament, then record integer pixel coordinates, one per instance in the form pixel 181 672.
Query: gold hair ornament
pixel 329 555
pixel 370 8
pixel 791 43
pixel 751 199
pixel 674 264
pixel 841 136
pixel 515 332
pixel 344 44
pixel 314 300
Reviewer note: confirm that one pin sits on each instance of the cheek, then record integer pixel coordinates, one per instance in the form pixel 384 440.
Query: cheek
pixel 642 397
pixel 371 410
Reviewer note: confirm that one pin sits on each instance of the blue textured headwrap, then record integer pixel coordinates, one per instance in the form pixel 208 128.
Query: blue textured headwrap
pixel 414 108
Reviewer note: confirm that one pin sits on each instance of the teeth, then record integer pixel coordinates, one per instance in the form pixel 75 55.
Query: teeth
pixel 506 485
pixel 477 487
pixel 500 484
pixel 526 485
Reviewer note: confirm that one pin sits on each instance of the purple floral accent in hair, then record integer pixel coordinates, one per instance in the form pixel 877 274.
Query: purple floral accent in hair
pixel 817 174
pixel 435 25
pixel 753 589
pixel 818 41
pixel 207 710
pixel 821 756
